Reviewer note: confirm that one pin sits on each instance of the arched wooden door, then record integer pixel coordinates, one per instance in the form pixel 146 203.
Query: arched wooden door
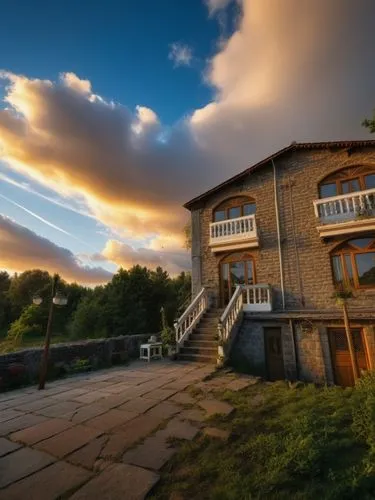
pixel 235 269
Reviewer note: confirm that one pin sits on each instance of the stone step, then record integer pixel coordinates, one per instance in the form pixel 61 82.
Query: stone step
pixel 205 351
pixel 201 343
pixel 210 330
pixel 209 322
pixel 203 336
pixel 198 358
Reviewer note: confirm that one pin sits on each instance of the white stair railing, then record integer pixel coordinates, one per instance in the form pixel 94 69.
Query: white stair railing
pixel 227 323
pixel 187 321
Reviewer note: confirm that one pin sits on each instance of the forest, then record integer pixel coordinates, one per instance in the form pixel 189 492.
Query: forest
pixel 129 304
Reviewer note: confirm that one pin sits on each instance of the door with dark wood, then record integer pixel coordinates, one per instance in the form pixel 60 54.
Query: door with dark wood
pixel 274 353
pixel 341 361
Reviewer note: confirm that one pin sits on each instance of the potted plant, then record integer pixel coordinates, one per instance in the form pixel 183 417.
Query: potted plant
pixel 168 336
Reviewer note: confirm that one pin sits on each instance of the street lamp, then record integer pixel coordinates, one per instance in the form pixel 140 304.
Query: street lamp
pixel 58 299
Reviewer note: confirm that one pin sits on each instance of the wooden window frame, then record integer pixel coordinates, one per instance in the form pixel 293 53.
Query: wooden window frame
pixel 345 175
pixel 229 259
pixel 349 249
pixel 226 205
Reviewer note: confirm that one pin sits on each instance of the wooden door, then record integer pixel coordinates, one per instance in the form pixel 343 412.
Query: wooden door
pixel 235 270
pixel 274 353
pixel 341 361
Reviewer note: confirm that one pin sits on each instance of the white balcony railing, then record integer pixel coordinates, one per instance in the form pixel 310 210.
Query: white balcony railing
pixel 257 298
pixel 345 207
pixel 240 229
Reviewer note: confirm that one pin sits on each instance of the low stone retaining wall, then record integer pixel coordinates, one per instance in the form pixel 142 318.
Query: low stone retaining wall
pixel 22 367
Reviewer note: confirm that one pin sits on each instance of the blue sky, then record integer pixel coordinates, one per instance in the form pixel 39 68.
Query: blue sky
pixel 122 46
pixel 105 131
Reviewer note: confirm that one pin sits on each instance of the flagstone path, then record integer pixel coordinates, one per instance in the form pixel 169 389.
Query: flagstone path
pixel 104 434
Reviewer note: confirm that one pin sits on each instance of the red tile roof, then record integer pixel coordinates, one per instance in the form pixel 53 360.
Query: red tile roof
pixel 295 146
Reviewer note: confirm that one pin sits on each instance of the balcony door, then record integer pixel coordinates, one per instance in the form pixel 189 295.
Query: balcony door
pixel 235 269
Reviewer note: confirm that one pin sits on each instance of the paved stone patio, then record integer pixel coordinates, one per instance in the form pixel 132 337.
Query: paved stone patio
pixel 104 434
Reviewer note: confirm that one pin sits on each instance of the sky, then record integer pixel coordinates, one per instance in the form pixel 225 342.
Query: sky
pixel 113 114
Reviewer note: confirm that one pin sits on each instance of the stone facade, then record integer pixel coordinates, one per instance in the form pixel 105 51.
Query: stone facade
pixel 308 281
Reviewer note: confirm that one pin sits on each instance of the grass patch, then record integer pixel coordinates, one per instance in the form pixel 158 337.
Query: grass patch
pixel 285 442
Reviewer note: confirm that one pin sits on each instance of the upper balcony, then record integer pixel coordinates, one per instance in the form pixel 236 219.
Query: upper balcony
pixel 346 213
pixel 234 234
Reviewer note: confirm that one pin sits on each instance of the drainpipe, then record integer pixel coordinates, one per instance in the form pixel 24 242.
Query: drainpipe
pixel 278 235
pixel 295 347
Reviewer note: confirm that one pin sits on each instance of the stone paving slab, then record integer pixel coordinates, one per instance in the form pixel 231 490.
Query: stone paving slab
pixel 36 405
pixel 115 400
pixel 153 453
pixel 139 405
pixel 68 441
pixel 216 433
pixel 19 423
pixel 183 398
pixel 7 446
pixel 22 463
pixel 110 419
pixel 85 413
pixel 58 410
pixel 48 484
pixel 126 436
pixel 118 481
pixel 117 388
pixel 179 429
pixel 71 394
pixel 238 384
pixel 165 409
pixel 89 454
pixel 9 414
pixel 160 394
pixel 39 432
pixel 193 414
pixel 214 406
pixel 91 397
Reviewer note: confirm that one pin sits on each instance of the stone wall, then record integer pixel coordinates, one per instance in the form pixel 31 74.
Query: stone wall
pixel 248 352
pixel 306 257
pixel 98 353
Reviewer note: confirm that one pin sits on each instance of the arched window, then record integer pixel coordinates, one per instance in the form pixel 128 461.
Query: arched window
pixel 234 207
pixel 353 263
pixel 235 269
pixel 347 180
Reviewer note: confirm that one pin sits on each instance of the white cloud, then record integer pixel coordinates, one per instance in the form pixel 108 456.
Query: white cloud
pixel 22 249
pixel 290 71
pixel 217 5
pixel 181 54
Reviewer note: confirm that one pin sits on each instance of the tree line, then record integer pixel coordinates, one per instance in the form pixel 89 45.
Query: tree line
pixel 130 303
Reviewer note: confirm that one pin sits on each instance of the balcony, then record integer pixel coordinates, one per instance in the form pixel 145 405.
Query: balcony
pixel 257 298
pixel 234 234
pixel 346 214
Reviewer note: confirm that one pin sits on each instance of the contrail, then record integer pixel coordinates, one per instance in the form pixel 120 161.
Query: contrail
pixel 45 221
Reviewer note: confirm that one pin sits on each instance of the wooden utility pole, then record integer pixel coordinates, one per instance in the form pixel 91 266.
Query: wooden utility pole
pixel 47 341
pixel 350 341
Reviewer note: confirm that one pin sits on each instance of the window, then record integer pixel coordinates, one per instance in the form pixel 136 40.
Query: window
pixel 235 269
pixel 348 180
pixel 234 207
pixel 353 264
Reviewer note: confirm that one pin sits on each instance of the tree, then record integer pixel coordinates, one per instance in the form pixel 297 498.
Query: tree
pixel 4 300
pixel 24 286
pixel 32 322
pixel 370 123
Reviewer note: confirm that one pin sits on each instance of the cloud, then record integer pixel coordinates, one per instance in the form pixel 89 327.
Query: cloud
pixel 291 70
pixel 22 249
pixel 181 54
pixel 126 256
pixel 217 5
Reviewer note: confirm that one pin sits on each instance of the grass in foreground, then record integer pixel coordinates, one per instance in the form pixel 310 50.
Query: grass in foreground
pixel 300 443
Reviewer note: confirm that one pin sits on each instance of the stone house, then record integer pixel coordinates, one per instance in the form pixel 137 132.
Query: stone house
pixel 270 247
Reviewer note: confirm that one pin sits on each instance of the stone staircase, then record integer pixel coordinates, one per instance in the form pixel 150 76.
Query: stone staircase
pixel 202 344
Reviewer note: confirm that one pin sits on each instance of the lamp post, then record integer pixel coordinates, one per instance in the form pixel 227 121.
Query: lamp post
pixel 58 299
